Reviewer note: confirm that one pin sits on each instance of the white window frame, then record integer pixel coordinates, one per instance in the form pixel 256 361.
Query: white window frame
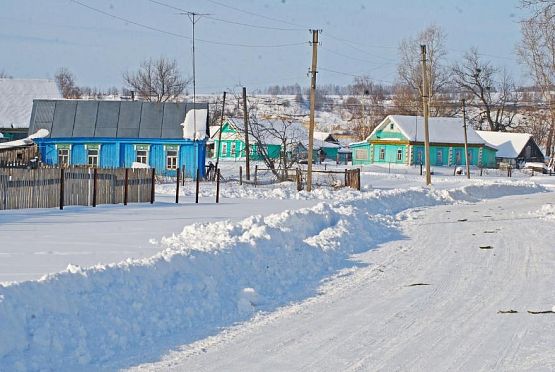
pixel 140 158
pixel 381 154
pixel 233 148
pixel 93 160
pixel 174 160
pixel 399 154
pixel 224 149
pixel 66 156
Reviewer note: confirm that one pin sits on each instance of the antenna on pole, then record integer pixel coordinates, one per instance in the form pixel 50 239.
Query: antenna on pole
pixel 194 17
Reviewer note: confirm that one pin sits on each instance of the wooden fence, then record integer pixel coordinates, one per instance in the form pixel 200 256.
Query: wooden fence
pixel 58 187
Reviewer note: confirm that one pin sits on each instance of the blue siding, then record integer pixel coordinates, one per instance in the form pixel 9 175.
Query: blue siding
pixel 121 152
pixel 78 154
pixel 127 154
pixel 157 158
pixel 109 156
pixel 49 154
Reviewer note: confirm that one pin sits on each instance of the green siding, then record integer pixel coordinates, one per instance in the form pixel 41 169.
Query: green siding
pixel 361 153
pixel 386 153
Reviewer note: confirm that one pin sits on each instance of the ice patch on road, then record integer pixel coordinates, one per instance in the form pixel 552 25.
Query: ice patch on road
pixel 207 277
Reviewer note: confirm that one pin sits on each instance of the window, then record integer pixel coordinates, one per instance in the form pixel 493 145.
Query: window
pixel 399 154
pixel 391 126
pixel 171 159
pixel 361 154
pixel 233 148
pixel 458 157
pixel 92 157
pixel 469 157
pixel 63 156
pixel 419 156
pixel 439 157
pixel 142 156
pixel 382 154
pixel 224 149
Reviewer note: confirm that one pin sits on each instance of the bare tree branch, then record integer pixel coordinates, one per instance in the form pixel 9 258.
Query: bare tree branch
pixel 157 80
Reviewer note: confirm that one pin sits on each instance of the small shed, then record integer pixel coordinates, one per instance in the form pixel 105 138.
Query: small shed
pixel 113 134
pixel 513 148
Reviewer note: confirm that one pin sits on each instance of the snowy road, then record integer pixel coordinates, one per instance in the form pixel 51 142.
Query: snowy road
pixel 375 318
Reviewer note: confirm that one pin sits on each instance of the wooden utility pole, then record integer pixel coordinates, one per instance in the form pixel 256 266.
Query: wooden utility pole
pixel 425 102
pixel 247 147
pixel 312 105
pixel 465 140
pixel 220 133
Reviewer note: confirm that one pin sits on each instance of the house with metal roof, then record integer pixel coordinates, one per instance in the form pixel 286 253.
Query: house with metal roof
pixel 16 104
pixel 112 134
pixel 270 134
pixel 513 148
pixel 400 139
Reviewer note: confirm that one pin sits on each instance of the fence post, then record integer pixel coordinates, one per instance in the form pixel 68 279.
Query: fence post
pixel 152 187
pixel 217 185
pixel 346 177
pixel 198 185
pixel 255 175
pixel 177 186
pixel 125 187
pixel 61 188
pixel 183 177
pixel 358 182
pixel 240 175
pixel 481 170
pixel 420 168
pixel 95 186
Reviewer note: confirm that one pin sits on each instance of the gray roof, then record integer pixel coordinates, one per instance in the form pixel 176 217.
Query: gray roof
pixel 16 99
pixel 114 119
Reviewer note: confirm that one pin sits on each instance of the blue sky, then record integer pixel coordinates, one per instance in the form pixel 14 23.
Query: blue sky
pixel 359 37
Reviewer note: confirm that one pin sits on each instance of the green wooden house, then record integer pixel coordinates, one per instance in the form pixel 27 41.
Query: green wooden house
pixel 272 134
pixel 400 140
pixel 232 144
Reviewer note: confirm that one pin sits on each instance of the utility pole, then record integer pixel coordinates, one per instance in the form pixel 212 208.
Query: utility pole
pixel 220 133
pixel 425 99
pixel 193 18
pixel 247 147
pixel 312 105
pixel 465 140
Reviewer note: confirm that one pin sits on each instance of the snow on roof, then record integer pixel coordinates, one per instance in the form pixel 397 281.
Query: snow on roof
pixel 194 125
pixel 442 130
pixel 16 99
pixel 509 145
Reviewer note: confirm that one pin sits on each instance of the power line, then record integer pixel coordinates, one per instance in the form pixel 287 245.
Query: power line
pixel 257 14
pixel 353 75
pixel 354 58
pixel 181 35
pixel 228 21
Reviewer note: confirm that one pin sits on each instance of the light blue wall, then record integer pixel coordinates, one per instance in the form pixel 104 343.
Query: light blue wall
pixel 109 155
pixel 78 154
pixel 121 153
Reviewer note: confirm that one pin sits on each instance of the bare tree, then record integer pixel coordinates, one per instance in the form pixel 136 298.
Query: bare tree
pixel 65 80
pixel 410 69
pixel 157 80
pixel 496 99
pixel 537 52
pixel 365 106
pixel 4 75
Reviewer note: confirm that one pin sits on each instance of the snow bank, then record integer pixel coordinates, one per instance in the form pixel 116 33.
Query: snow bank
pixel 209 276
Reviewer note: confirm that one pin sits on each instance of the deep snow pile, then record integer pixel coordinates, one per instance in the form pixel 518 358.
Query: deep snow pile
pixel 209 276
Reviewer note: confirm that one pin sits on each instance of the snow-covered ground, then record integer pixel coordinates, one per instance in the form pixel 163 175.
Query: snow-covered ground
pixel 339 261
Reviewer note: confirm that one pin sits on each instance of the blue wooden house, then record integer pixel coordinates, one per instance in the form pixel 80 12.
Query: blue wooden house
pixel 113 134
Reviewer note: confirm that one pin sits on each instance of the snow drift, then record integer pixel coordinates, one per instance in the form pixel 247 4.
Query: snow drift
pixel 209 276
